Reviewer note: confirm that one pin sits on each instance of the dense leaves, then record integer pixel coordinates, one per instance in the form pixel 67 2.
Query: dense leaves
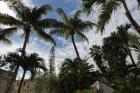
pixel 75 74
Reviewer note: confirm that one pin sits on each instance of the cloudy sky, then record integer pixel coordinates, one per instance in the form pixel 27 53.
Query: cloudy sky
pixel 64 47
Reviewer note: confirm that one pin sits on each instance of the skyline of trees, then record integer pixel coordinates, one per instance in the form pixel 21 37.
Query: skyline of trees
pixel 75 74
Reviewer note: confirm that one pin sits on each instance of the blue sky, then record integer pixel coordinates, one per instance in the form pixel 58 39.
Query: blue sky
pixel 65 48
pixel 67 5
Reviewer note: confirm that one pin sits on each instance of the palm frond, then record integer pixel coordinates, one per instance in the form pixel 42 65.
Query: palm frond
pixel 88 4
pixel 124 27
pixel 5 40
pixel 134 41
pixel 9 20
pixel 45 36
pixel 81 36
pixel 84 25
pixel 106 14
pixel 62 32
pixel 63 15
pixel 12 2
pixel 56 32
pixel 9 31
pixel 77 14
pixel 48 23
pixel 43 10
pixel 22 11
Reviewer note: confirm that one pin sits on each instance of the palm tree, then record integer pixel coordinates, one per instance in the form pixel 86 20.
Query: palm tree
pixel 76 77
pixel 119 42
pixel 107 8
pixel 30 63
pixel 121 39
pixel 30 20
pixel 72 27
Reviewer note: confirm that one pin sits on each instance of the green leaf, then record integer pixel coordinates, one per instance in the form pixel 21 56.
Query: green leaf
pixel 106 14
pixel 43 10
pixel 45 36
pixel 9 31
pixel 63 15
pixel 82 36
pixel 9 20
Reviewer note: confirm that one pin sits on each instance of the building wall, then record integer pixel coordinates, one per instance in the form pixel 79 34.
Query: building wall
pixel 27 87
pixel 5 77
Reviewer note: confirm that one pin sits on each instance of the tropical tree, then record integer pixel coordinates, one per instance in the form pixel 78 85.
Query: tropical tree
pixel 107 8
pixel 51 76
pixel 74 77
pixel 112 61
pixel 30 20
pixel 72 27
pixel 29 62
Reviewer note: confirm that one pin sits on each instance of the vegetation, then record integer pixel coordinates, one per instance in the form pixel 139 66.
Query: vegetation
pixel 111 58
pixel 116 61
pixel 76 75
pixel 72 27
pixel 107 8
pixel 31 62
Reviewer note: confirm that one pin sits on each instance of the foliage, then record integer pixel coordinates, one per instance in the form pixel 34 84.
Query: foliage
pixel 85 91
pixel 75 74
pixel 72 27
pixel 111 59
pixel 30 63
pixel 107 7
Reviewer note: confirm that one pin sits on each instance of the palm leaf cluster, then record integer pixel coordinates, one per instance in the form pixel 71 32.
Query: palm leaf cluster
pixel 28 62
pixel 111 59
pixel 75 74
pixel 30 19
pixel 72 27
pixel 107 7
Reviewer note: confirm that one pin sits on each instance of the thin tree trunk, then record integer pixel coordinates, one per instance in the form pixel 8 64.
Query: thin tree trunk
pixel 131 57
pixel 21 82
pixel 129 16
pixel 78 56
pixel 25 43
pixel 17 68
pixel 74 45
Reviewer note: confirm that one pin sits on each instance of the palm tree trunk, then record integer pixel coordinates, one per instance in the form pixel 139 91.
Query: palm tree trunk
pixel 74 45
pixel 129 16
pixel 21 82
pixel 17 68
pixel 25 43
pixel 78 56
pixel 23 53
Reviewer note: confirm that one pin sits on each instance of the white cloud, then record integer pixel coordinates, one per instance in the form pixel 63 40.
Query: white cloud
pixel 118 18
pixel 5 9
pixel 28 3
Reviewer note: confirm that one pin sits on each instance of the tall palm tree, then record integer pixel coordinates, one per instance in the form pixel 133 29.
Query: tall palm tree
pixel 107 8
pixel 72 27
pixel 30 63
pixel 30 20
